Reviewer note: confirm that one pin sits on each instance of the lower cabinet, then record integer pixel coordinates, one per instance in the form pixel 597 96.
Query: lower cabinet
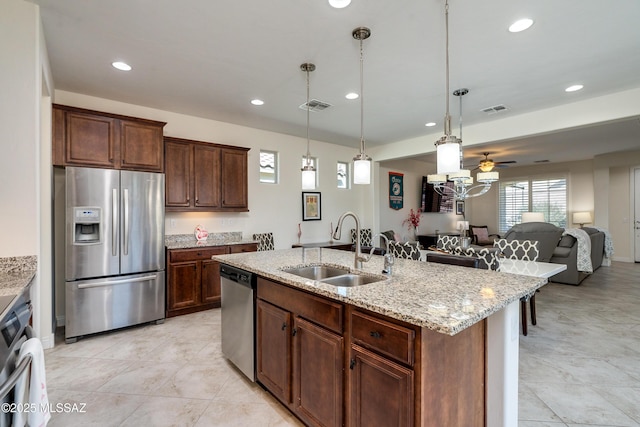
pixel 333 364
pixel 193 278
pixel 298 359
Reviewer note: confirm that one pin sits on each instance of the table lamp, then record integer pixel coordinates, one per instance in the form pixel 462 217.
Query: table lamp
pixel 582 218
pixel 532 217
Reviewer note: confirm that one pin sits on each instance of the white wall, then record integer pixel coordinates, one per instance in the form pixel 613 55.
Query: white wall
pixel 25 166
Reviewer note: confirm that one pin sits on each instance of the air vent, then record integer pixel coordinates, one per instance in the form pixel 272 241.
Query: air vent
pixel 541 161
pixel 495 109
pixel 315 105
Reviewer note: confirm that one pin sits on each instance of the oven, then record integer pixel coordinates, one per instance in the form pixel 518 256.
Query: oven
pixel 14 331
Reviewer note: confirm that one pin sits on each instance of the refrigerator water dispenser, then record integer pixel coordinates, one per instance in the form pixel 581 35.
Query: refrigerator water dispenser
pixel 86 224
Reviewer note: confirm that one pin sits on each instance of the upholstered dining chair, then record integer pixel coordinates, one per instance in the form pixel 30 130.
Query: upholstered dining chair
pixel 408 250
pixel 447 243
pixel 526 250
pixel 487 257
pixel 265 241
pixel 365 236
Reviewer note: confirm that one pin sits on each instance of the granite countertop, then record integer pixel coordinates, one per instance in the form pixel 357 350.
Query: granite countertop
pixel 188 241
pixel 440 297
pixel 16 273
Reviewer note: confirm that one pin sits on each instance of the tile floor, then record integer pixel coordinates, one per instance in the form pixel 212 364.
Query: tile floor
pixel 580 366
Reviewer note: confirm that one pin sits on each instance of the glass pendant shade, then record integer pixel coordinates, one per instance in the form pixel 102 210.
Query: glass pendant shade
pixel 361 171
pixel 308 178
pixel 448 156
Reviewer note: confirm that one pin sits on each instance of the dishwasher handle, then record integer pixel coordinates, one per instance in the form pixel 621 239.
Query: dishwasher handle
pixel 236 275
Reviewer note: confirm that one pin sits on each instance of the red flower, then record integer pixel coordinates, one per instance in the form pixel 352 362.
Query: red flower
pixel 413 220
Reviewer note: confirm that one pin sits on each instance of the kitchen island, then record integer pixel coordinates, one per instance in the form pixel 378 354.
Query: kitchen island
pixel 416 348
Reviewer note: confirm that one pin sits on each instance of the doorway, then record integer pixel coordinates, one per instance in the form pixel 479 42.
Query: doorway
pixel 636 213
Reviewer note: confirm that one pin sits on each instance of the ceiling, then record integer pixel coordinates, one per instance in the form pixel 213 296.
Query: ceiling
pixel 210 58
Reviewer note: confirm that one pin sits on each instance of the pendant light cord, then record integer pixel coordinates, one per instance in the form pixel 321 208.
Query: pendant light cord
pixel 308 111
pixel 447 117
pixel 361 100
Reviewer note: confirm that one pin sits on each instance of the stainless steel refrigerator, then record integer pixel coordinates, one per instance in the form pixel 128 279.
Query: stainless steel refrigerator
pixel 114 250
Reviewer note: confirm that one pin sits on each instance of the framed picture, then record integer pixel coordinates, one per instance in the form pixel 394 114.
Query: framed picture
pixel 459 207
pixel 311 208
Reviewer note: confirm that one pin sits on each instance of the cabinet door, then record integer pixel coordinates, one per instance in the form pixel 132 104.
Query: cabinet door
pixel 234 178
pixel 183 285
pixel 211 281
pixel 141 146
pixel 318 358
pixel 273 349
pixel 206 161
pixel 381 391
pixel 177 175
pixel 243 247
pixel 90 140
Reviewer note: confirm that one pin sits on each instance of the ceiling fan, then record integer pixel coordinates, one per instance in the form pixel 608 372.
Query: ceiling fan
pixel 487 164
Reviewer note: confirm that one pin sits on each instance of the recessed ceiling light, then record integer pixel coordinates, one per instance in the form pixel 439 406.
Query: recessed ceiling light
pixel 339 4
pixel 430 124
pixel 573 88
pixel 352 95
pixel 121 66
pixel 257 102
pixel 520 25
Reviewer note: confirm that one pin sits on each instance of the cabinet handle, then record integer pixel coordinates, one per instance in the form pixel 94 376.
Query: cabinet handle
pixel 375 334
pixel 284 326
pixel 295 331
pixel 352 364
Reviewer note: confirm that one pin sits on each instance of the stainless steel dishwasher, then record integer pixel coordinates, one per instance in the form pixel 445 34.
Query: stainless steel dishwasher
pixel 238 311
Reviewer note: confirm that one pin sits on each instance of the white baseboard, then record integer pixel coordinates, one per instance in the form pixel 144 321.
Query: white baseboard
pixel 621 259
pixel 48 341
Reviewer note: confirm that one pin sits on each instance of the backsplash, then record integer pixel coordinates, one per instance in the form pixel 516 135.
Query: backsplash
pixel 222 238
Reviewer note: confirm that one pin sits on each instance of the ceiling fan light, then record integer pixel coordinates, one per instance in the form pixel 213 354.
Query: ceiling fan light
pixel 487 165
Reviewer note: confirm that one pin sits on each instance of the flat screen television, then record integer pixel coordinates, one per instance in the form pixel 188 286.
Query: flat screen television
pixel 432 201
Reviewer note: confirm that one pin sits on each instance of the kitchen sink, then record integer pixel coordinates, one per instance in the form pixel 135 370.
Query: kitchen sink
pixel 335 276
pixel 317 272
pixel 348 280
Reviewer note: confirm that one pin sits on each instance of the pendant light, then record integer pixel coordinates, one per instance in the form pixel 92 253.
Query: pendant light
pixel 308 170
pixel 361 162
pixel 449 148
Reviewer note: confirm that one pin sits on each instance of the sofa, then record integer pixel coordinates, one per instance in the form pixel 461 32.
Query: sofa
pixel 560 246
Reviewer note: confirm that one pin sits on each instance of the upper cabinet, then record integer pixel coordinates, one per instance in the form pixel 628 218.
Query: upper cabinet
pixel 94 139
pixel 202 176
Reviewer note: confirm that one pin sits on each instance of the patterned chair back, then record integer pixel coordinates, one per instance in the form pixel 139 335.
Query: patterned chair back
pixel 487 257
pixel 365 236
pixel 526 250
pixel 409 250
pixel 447 243
pixel 265 241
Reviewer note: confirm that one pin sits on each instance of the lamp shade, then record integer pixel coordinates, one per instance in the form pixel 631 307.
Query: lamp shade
pixel 308 179
pixel 582 218
pixel 448 158
pixel 462 225
pixel 532 217
pixel 361 172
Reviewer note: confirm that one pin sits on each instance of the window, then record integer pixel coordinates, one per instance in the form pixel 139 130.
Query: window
pixel 548 196
pixel 343 175
pixel 268 167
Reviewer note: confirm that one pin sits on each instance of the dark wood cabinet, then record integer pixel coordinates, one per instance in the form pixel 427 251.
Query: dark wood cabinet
pixel 203 176
pixel 300 352
pixel 273 345
pixel 193 280
pixel 95 139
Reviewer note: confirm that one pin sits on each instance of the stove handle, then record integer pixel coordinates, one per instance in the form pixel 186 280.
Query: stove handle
pixel 10 383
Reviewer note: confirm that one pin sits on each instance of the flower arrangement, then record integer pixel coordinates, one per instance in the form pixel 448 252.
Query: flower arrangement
pixel 413 220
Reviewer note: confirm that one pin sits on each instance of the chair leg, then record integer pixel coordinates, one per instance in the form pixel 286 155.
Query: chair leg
pixel 532 303
pixel 523 310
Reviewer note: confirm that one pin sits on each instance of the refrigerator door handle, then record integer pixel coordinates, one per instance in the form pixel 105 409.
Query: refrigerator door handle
pixel 116 282
pixel 114 222
pixel 126 221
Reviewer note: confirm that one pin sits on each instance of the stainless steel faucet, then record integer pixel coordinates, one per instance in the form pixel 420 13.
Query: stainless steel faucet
pixel 388 256
pixel 358 258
